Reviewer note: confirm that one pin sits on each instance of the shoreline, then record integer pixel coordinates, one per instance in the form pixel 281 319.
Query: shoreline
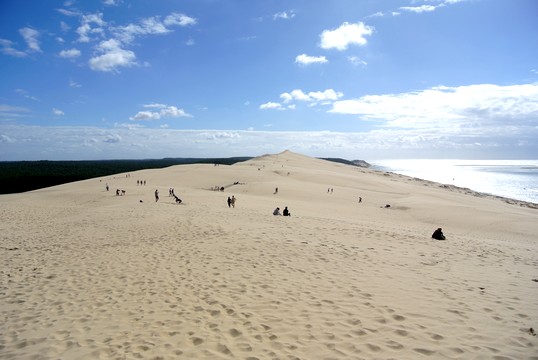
pixel 465 190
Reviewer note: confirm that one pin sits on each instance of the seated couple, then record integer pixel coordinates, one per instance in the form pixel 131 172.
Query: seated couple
pixel 286 212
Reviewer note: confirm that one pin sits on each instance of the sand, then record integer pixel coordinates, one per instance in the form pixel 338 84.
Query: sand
pixel 86 274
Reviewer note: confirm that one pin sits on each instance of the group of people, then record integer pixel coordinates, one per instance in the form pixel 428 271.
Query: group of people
pixel 231 201
pixel 286 212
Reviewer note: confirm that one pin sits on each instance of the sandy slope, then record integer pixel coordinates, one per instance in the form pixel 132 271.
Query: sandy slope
pixel 87 274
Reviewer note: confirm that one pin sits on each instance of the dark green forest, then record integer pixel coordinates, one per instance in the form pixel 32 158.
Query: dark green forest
pixel 21 176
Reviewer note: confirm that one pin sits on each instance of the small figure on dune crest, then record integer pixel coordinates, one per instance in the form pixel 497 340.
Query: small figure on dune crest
pixel 438 234
pixel 286 212
pixel 276 212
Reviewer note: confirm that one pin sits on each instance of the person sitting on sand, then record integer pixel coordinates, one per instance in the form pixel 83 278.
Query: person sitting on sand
pixel 438 234
pixel 277 212
pixel 286 212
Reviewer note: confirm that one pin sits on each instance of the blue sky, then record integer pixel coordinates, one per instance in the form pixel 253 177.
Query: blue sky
pixel 358 79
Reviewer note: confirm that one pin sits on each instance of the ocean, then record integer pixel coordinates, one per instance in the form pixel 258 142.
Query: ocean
pixel 515 179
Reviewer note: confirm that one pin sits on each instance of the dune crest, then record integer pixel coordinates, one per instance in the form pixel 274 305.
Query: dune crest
pixel 87 274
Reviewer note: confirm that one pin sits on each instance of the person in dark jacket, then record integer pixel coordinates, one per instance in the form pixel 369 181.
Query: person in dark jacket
pixel 438 234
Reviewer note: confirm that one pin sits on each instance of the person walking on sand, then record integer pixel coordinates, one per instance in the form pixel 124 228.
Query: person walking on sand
pixel 229 202
pixel 156 195
pixel 233 201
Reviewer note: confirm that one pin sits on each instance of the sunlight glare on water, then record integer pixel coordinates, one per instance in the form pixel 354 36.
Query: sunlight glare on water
pixel 516 179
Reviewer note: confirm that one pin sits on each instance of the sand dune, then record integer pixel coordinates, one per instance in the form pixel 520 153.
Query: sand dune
pixel 90 275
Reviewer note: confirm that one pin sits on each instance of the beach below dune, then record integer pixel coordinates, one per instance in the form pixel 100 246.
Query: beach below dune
pixel 87 274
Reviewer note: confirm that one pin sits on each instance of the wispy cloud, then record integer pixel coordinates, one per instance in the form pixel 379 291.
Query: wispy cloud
pixel 25 94
pixel 271 106
pixel 74 84
pixel 419 9
pixel 9 112
pixel 57 112
pixel 30 36
pixel 345 35
pixel 304 59
pixel 91 24
pixel 152 26
pixel 8 49
pixel 357 61
pixel 112 2
pixel 284 15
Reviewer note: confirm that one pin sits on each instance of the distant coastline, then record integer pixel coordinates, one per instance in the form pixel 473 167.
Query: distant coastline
pixel 514 181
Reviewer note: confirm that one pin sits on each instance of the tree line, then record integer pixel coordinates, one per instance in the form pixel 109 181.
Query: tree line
pixel 22 176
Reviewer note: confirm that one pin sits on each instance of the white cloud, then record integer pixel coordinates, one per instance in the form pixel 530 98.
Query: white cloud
pixel 112 56
pixel 474 109
pixel 355 60
pixel 313 96
pixel 6 139
pixel 179 19
pixel 152 26
pixel 64 26
pixel 304 59
pixel 172 111
pixel 67 12
pixel 31 37
pixel 165 111
pixel 9 112
pixel 70 54
pixel 25 94
pixel 85 29
pixel 112 2
pixel 345 35
pixel 271 106
pixel 419 9
pixel 74 84
pixel 284 15
pixel 8 49
pixel 377 14
pixel 113 139
pixel 146 115
pixel 57 112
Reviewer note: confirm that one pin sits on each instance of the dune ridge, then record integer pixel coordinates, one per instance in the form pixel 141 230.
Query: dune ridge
pixel 87 274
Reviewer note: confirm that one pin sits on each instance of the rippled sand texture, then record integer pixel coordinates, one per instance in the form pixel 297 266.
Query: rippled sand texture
pixel 86 274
